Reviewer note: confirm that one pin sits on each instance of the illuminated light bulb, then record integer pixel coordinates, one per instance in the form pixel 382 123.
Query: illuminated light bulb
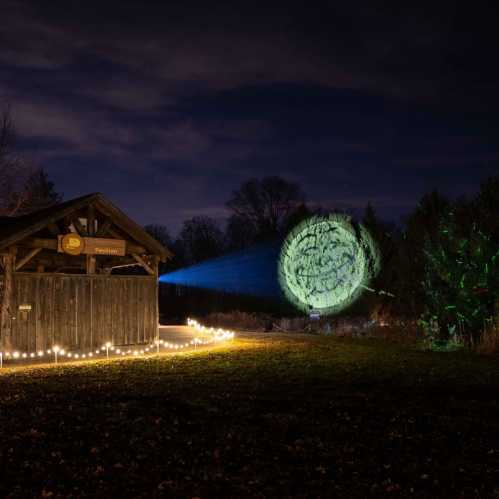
pixel 135 352
pixel 7 354
pixel 15 355
pixel 40 354
pixel 24 355
pixel 83 356
pixel 108 344
pixel 31 354
pixel 97 352
pixel 77 356
pixel 55 348
pixel 118 350
pixel 62 352
pixel 49 351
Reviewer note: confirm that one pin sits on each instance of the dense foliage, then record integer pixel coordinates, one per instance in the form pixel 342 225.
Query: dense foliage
pixel 461 282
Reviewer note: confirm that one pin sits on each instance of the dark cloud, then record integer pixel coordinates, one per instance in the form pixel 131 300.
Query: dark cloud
pixel 167 108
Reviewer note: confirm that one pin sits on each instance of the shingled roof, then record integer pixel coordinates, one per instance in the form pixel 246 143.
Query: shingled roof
pixel 15 229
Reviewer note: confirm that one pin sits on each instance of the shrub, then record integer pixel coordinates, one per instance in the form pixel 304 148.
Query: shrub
pixel 489 339
pixel 461 282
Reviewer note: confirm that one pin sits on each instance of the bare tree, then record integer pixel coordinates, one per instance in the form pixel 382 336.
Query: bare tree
pixel 238 234
pixel 266 204
pixel 39 192
pixel 23 187
pixel 14 172
pixel 160 233
pixel 6 132
pixel 200 239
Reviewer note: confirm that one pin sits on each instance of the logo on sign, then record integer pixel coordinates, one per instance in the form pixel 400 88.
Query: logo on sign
pixel 72 244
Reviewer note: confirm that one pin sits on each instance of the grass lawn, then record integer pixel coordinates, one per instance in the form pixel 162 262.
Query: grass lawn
pixel 265 416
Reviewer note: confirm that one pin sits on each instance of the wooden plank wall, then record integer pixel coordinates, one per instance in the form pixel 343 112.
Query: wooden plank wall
pixel 82 312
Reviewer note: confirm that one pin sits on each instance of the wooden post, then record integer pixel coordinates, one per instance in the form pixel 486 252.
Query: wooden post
pixel 8 261
pixel 91 232
pixel 91 221
pixel 91 264
pixel 156 297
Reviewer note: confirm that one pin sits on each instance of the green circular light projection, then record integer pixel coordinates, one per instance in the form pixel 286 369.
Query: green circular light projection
pixel 326 262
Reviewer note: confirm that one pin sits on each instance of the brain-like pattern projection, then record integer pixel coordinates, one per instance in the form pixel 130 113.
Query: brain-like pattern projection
pixel 326 262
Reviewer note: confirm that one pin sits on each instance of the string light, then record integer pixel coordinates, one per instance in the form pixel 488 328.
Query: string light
pixel 216 336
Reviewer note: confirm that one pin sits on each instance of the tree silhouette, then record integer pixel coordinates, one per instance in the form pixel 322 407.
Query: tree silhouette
pixel 200 239
pixel 265 205
pixel 23 188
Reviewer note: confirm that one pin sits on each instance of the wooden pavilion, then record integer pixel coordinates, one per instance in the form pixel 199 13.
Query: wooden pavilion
pixel 61 283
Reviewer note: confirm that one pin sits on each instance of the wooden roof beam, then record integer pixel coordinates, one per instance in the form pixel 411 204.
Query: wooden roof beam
pixel 143 264
pixel 104 228
pixel 23 261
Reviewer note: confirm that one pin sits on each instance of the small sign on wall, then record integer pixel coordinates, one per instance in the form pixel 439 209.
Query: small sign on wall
pixel 25 307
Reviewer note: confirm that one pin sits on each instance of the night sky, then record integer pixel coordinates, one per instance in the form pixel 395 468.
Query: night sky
pixel 167 109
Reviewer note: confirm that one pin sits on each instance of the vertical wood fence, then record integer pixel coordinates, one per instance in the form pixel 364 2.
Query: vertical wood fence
pixel 82 312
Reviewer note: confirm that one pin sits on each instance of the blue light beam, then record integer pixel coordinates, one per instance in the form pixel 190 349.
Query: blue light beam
pixel 252 272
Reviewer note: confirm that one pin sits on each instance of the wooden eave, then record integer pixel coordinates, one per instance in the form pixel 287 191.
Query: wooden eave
pixel 14 230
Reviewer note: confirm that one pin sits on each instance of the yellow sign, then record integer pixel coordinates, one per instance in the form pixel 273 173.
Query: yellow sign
pixel 101 246
pixel 72 244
